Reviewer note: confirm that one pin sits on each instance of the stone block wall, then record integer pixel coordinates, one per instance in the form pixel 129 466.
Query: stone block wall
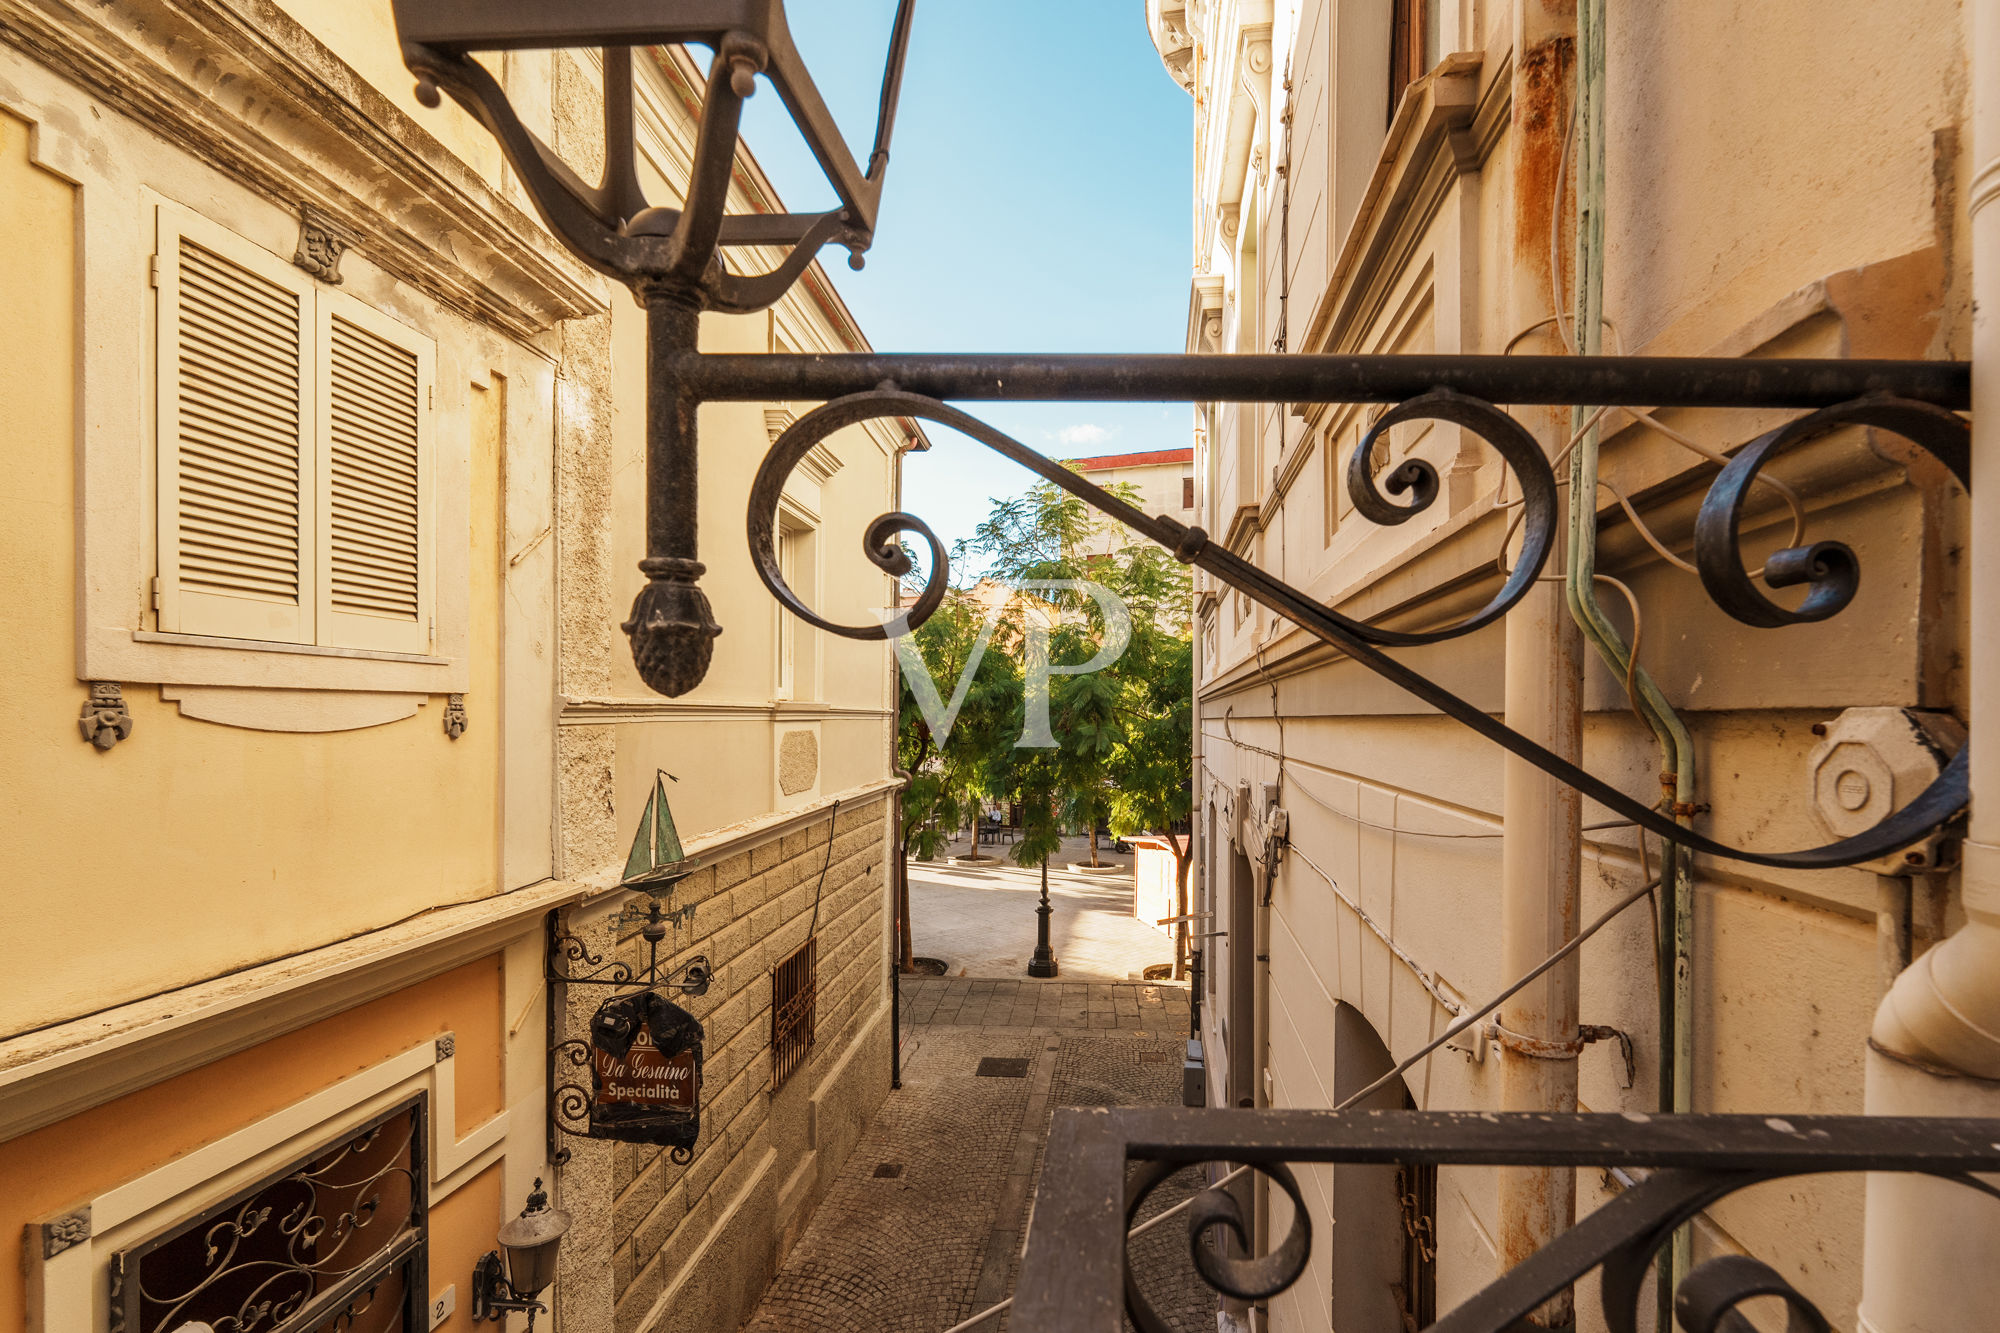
pixel 691 1247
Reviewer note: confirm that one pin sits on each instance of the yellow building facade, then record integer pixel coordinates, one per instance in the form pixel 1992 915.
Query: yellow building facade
pixel 325 485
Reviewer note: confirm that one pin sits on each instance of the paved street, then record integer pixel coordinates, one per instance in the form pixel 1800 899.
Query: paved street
pixel 924 1227
pixel 981 920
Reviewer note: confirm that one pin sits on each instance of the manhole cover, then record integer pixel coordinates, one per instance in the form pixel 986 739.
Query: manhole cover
pixel 996 1066
pixel 888 1170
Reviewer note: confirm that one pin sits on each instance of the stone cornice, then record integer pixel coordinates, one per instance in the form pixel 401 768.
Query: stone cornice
pixel 251 93
pixel 56 1072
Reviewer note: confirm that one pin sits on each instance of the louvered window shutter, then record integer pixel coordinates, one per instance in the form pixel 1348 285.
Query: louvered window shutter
pixel 376 546
pixel 236 463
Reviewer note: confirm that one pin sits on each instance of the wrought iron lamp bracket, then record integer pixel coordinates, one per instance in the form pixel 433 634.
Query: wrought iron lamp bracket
pixel 672 261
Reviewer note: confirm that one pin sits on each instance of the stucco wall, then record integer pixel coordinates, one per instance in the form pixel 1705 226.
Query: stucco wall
pixel 1749 213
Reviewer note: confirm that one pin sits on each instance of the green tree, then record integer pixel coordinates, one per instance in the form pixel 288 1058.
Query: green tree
pixel 1123 753
pixel 948 774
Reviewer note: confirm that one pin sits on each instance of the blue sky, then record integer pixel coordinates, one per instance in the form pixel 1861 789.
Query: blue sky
pixel 1037 200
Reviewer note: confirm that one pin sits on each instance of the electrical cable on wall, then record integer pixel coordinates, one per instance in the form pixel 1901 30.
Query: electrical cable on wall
pixel 832 818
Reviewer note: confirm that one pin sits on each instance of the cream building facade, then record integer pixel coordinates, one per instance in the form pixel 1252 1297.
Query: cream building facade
pixel 1392 177
pixel 325 494
pixel 1162 482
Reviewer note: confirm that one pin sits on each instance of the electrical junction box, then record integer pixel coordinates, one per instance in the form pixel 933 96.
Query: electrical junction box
pixel 1194 1076
pixel 1872 762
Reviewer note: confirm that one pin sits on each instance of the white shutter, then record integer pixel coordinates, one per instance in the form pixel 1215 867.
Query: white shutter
pixel 375 533
pixel 235 448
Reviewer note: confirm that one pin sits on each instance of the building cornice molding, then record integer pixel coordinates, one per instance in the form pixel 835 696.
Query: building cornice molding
pixel 57 1072
pixel 594 711
pixel 735 839
pixel 321 137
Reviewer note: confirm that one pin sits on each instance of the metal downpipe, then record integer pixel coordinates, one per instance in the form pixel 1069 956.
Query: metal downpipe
pixel 1928 1265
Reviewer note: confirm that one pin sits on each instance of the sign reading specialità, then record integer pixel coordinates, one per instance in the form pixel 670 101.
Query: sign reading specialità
pixel 645 1072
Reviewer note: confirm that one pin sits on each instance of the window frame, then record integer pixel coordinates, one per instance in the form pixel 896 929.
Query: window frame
pixel 315 622
pixel 795 665
pixel 118 632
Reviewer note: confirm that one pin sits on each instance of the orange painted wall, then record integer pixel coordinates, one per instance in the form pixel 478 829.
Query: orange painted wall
pixel 70 1162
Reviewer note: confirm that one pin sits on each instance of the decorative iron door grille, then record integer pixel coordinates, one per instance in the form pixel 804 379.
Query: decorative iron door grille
pixel 794 1010
pixel 335 1241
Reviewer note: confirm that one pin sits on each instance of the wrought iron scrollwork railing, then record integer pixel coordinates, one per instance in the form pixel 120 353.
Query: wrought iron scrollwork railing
pixel 1828 569
pixel 1100 1167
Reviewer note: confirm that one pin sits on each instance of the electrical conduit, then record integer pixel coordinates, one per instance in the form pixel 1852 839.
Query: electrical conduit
pixel 1580 587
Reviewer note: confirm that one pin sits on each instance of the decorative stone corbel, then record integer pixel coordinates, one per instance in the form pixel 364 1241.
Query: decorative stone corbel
pixel 105 720
pixel 59 1234
pixel 323 238
pixel 455 721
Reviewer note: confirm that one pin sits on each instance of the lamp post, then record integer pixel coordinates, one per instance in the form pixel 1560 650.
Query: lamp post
pixel 671 259
pixel 1043 962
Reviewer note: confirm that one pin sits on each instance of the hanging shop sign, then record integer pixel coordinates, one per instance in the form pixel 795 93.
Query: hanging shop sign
pixel 645 1071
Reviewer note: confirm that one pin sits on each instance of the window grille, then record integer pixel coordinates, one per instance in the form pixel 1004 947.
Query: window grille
pixel 336 1241
pixel 794 1014
pixel 1416 1194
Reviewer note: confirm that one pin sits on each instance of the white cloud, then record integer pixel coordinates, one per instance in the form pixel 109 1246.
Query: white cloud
pixel 1085 433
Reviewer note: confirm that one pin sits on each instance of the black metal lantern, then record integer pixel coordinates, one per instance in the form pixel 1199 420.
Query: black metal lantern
pixel 672 259
pixel 531 1243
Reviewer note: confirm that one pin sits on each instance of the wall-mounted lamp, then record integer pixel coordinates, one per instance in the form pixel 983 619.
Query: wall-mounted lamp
pixel 530 1242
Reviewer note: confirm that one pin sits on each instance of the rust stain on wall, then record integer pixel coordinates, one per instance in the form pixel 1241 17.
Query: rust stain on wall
pixel 1542 91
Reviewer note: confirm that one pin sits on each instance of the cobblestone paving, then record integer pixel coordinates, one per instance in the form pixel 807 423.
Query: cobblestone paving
pixel 1141 1008
pixel 923 1227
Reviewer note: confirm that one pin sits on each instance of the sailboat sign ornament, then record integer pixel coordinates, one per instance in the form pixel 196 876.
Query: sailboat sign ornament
pixel 644 1052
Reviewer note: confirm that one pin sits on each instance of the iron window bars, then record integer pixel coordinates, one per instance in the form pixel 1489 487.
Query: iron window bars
pixel 676 263
pixel 316 1246
pixel 794 1010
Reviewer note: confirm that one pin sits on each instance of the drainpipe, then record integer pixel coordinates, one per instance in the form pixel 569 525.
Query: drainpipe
pixel 1928 1264
pixel 1676 1008
pixel 1541 850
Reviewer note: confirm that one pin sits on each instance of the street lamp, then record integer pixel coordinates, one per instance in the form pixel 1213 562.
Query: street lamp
pixel 531 1243
pixel 1042 963
pixel 670 258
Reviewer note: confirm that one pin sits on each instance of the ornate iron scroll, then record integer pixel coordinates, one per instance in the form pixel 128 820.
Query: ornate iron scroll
pixel 671 258
pixel 572 962
pixel 1829 568
pixel 1075 1279
pixel 308 1249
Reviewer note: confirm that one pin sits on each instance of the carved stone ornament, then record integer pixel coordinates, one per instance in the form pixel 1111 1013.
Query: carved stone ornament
pixel 323 238
pixel 447 1046
pixel 65 1231
pixel 105 720
pixel 455 721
